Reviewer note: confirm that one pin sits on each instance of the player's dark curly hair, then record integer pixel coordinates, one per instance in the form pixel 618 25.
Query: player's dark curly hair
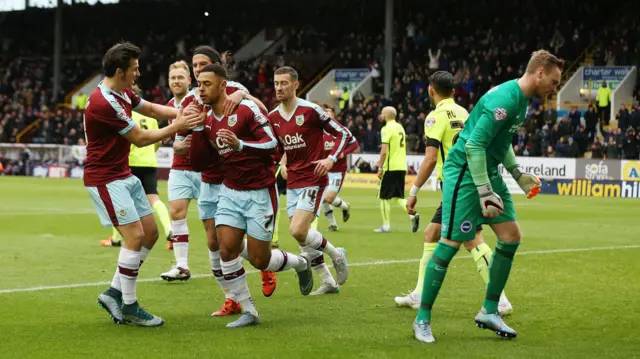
pixel 443 83
pixel 119 56
pixel 213 55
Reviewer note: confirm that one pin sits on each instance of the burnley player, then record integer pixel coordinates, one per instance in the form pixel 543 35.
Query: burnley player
pixel 336 178
pixel 184 183
pixel 117 195
pixel 300 125
pixel 212 179
pixel 243 142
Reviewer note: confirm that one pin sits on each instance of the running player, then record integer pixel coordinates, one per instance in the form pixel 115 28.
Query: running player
pixel 212 178
pixel 441 129
pixel 474 192
pixel 117 195
pixel 392 169
pixel 243 143
pixel 336 178
pixel 299 125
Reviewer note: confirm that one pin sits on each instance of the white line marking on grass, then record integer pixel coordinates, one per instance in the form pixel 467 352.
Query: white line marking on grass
pixel 362 264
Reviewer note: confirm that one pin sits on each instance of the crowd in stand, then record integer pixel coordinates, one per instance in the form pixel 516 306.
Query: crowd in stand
pixel 480 53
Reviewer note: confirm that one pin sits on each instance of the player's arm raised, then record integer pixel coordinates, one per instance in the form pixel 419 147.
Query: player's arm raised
pixel 434 132
pixel 183 122
pixel 491 121
pixel 235 98
pixel 529 183
pixel 159 112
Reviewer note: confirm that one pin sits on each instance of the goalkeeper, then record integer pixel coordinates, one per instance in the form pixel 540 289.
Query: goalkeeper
pixel 474 192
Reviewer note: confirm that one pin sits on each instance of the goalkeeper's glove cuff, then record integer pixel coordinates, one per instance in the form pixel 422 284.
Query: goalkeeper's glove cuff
pixel 515 173
pixel 485 189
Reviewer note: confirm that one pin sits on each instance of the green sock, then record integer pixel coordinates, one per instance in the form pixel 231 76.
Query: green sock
pixel 402 202
pixel 385 210
pixel 429 248
pixel 436 270
pixel 115 235
pixel 162 216
pixel 499 270
pixel 276 231
pixel 482 256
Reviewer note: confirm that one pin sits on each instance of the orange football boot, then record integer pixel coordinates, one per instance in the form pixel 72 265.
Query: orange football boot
pixel 228 308
pixel 268 283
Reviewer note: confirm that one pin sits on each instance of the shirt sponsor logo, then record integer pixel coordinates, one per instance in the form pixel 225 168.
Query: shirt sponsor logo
pixel 222 147
pixel 292 142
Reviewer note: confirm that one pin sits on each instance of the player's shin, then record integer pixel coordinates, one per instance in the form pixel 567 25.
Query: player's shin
pixel 328 212
pixel 180 242
pixel 436 271
pixel 281 261
pixel 128 266
pixel 319 266
pixel 316 241
pixel 482 257
pixel 162 216
pixel 427 252
pixel 385 210
pixel 216 268
pixel 236 280
pixel 338 202
pixel 499 273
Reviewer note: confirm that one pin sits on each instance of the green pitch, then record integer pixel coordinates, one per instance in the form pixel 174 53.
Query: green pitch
pixel 574 287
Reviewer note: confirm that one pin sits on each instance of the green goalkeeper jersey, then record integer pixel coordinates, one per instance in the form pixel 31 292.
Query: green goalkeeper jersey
pixel 491 126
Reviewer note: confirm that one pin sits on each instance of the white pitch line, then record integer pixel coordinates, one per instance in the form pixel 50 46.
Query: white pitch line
pixel 362 264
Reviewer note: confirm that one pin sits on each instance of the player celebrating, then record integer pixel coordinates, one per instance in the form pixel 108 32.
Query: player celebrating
pixel 336 178
pixel 117 195
pixel 392 169
pixel 212 179
pixel 441 129
pixel 475 193
pixel 144 165
pixel 248 199
pixel 299 125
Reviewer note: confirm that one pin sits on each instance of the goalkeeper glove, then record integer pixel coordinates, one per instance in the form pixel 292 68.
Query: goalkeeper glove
pixel 529 183
pixel 490 202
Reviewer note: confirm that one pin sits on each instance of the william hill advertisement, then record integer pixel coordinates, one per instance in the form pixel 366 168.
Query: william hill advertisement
pixel 591 188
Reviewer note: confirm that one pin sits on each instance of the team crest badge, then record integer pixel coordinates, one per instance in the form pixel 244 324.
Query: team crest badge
pixel 299 120
pixel 233 119
pixel 123 213
pixel 500 114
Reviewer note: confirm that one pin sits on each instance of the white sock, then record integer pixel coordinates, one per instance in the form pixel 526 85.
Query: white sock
pixel 328 212
pixel 115 282
pixel 144 253
pixel 128 265
pixel 281 261
pixel 322 269
pixel 216 268
pixel 338 202
pixel 236 279
pixel 180 242
pixel 316 241
pixel 245 250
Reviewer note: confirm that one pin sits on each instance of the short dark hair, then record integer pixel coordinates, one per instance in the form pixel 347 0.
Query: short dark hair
pixel 216 69
pixel 209 52
pixel 443 83
pixel 287 70
pixel 119 56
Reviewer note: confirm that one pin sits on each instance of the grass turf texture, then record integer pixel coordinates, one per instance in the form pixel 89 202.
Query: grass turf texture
pixel 574 303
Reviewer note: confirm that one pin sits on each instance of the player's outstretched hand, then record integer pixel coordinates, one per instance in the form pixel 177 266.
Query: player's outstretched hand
pixel 530 184
pixel 490 202
pixel 232 102
pixel 186 122
pixel 323 167
pixel 192 108
pixel 411 204
pixel 229 138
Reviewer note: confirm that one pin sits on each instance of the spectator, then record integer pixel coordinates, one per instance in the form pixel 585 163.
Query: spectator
pixel 612 149
pixel 630 145
pixel 81 101
pixel 574 119
pixel 535 146
pixel 574 151
pixel 434 60
pixel 550 152
pixel 581 139
pixel 591 121
pixel 624 118
pixel 562 148
pixel 597 150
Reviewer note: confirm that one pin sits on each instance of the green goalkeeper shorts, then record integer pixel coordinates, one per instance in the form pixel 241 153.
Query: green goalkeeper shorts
pixel 461 210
